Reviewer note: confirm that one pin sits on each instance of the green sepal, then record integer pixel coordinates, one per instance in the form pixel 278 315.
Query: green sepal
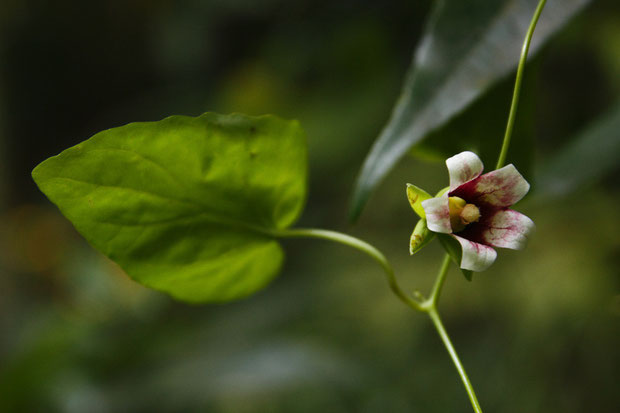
pixel 420 237
pixel 416 196
pixel 442 192
pixel 453 248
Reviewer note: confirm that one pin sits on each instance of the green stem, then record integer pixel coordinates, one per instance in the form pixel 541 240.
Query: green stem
pixel 515 96
pixel 432 313
pixel 359 245
pixel 441 277
pixel 428 306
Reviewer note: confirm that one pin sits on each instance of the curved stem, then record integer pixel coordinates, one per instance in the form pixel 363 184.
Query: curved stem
pixel 515 96
pixel 432 312
pixel 359 245
pixel 428 306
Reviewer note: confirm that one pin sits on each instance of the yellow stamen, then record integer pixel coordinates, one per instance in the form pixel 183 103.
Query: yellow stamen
pixel 456 205
pixel 469 214
pixel 462 213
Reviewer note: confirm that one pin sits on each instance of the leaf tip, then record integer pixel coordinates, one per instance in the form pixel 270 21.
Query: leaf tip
pixel 358 200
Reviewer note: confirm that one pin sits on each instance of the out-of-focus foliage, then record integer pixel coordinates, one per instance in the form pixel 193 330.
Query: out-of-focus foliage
pixel 466 48
pixel 539 331
pixel 186 205
pixel 480 128
pixel 598 147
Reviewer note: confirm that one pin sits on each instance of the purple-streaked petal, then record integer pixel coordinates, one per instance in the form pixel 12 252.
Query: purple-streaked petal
pixel 475 256
pixel 463 167
pixel 507 229
pixel 437 214
pixel 497 189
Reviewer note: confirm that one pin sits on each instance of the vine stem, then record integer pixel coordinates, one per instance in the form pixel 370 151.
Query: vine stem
pixel 432 313
pixel 359 245
pixel 517 90
pixel 428 305
pixel 441 277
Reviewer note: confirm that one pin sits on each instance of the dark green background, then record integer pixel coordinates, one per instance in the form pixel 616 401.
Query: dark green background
pixel 539 331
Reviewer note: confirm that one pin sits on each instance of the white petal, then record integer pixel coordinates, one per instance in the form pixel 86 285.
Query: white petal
pixel 463 167
pixel 437 214
pixel 475 257
pixel 501 188
pixel 508 229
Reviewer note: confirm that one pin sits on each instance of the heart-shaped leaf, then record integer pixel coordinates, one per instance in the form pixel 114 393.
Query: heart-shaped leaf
pixel 185 205
pixel 467 46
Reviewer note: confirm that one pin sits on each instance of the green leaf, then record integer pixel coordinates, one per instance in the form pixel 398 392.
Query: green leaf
pixel 416 196
pixel 185 205
pixel 587 158
pixel 466 47
pixel 453 248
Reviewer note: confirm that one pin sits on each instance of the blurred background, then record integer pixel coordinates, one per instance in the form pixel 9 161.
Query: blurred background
pixel 539 331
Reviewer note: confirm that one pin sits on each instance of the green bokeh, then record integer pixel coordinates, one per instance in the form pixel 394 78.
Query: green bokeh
pixel 539 331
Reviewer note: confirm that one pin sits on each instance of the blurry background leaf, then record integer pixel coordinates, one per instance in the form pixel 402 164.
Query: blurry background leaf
pixel 587 158
pixel 467 47
pixel 183 205
pixel 480 128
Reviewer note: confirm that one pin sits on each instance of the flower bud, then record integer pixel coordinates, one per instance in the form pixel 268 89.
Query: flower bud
pixel 415 196
pixel 420 237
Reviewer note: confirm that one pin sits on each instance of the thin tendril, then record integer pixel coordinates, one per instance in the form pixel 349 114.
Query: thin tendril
pixel 515 96
pixel 359 245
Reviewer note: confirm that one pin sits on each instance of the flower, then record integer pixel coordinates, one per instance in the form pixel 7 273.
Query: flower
pixel 474 210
